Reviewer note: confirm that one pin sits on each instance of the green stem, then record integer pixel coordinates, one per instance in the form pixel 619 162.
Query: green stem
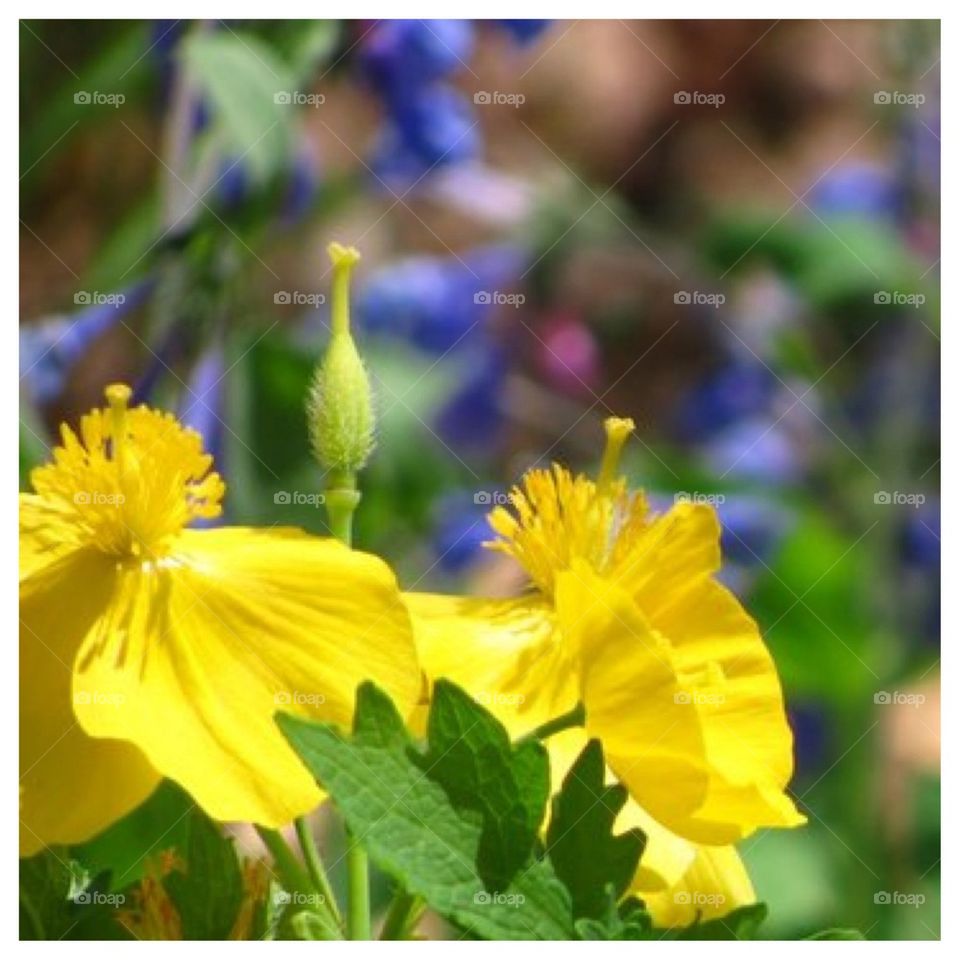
pixel 574 718
pixel 315 868
pixel 358 890
pixel 341 501
pixel 404 914
pixel 296 879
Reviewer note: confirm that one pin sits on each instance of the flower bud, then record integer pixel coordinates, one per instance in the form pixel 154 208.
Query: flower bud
pixel 340 402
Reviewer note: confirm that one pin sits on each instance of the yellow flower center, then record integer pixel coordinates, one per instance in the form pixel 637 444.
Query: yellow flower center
pixel 558 517
pixel 128 484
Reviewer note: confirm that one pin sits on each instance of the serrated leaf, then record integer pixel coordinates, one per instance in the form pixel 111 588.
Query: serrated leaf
pixel 595 865
pixel 208 891
pixel 422 825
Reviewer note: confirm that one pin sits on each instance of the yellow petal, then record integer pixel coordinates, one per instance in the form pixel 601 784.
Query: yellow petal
pixel 633 697
pixel 666 856
pixel 725 669
pixel 715 884
pixel 199 649
pixel 506 654
pixel 71 785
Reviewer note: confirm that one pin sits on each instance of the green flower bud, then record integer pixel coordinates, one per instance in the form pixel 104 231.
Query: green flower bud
pixel 340 402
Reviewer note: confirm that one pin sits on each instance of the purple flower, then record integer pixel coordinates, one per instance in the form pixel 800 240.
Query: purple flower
pixel 49 350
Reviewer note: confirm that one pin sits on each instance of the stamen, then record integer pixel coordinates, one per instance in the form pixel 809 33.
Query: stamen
pixel 118 396
pixel 618 429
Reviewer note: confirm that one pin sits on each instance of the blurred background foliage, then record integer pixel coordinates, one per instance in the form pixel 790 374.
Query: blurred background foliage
pixel 558 223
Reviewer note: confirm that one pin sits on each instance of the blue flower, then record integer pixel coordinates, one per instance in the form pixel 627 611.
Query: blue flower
pixel 727 395
pixel 438 302
pixel 524 31
pixel 49 350
pixel 460 530
pixel 401 53
pixel 862 190
pixel 473 418
pixel 755 449
pixel 429 123
pixel 202 400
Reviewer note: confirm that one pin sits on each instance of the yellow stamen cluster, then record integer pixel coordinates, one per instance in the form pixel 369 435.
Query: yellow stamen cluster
pixel 128 483
pixel 558 516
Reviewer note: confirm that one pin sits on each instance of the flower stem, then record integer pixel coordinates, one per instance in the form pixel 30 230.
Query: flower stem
pixel 298 881
pixel 358 890
pixel 404 914
pixel 315 868
pixel 573 718
pixel 342 498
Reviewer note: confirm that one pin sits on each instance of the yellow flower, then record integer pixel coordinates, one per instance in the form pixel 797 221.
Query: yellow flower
pixel 625 616
pixel 149 649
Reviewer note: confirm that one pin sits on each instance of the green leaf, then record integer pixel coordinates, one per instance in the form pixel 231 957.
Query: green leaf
pixel 449 823
pixel 209 890
pixel 837 933
pixel 159 823
pixel 595 865
pixel 242 76
pixel 632 922
pixel 59 901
